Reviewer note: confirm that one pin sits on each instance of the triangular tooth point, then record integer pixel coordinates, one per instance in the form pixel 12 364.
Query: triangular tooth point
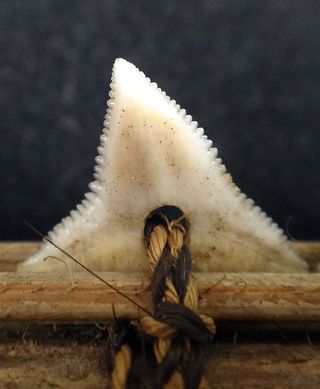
pixel 152 153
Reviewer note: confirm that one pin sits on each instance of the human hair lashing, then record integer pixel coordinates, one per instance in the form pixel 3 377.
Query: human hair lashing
pixel 180 333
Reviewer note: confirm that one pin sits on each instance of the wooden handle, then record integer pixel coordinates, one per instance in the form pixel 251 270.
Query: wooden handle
pixel 232 296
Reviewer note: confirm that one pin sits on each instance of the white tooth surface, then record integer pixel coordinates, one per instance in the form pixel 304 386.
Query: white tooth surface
pixel 188 118
pixel 209 143
pixel 151 157
pixel 194 124
pixel 95 186
pixel 99 160
pixel 103 139
pixel 183 112
pixel 200 132
pixel 214 152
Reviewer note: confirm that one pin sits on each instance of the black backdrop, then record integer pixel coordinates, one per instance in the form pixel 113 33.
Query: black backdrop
pixel 248 71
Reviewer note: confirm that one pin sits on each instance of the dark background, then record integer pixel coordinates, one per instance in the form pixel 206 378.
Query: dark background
pixel 248 72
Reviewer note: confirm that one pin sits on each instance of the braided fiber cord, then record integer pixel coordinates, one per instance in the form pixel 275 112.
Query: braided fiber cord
pixel 122 364
pixel 181 333
pixel 119 354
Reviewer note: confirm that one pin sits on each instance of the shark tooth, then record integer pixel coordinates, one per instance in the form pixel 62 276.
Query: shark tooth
pixel 153 154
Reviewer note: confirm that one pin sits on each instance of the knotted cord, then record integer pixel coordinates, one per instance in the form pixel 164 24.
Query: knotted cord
pixel 180 333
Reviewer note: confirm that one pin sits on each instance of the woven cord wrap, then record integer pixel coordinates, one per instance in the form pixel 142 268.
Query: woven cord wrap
pixel 122 364
pixel 119 353
pixel 180 331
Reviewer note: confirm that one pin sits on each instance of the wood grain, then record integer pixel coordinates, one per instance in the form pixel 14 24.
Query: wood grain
pixel 234 296
pixel 247 296
pixel 267 353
